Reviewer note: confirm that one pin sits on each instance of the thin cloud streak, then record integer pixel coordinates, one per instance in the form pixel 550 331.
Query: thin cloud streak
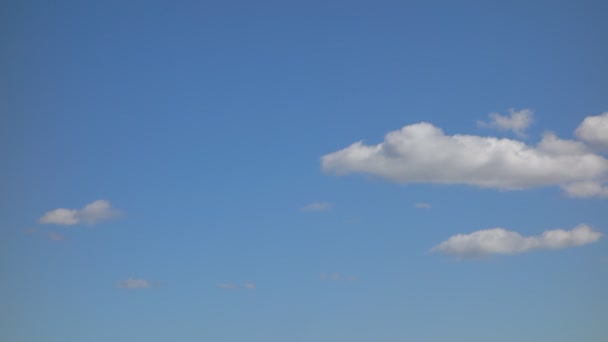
pixel 336 277
pixel 134 284
pixel 233 286
pixel 317 206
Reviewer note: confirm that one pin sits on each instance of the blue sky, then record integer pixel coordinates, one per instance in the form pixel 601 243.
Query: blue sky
pixel 191 171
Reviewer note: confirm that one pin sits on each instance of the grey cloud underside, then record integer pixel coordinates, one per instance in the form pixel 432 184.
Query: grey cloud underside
pixel 422 153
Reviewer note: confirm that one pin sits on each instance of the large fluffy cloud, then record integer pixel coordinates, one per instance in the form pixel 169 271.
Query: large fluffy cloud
pixel 502 241
pixel 422 153
pixel 594 130
pixel 517 121
pixel 98 211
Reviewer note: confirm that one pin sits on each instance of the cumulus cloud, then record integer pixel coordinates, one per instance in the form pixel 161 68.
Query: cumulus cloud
pixel 586 189
pixel 96 212
pixel 594 130
pixel 421 205
pixel 502 241
pixel 317 206
pixel 517 121
pixel 133 284
pixel 422 153
pixel 61 216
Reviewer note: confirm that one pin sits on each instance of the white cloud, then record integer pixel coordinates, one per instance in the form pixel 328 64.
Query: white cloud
pixel 422 153
pixel 228 286
pixel 61 216
pixel 422 205
pixel 502 241
pixel 317 206
pixel 586 189
pixel 517 121
pixel 249 286
pixel 133 284
pixel 594 130
pixel 98 211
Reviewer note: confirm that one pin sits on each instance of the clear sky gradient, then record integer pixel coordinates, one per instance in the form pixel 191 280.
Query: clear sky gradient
pixel 188 142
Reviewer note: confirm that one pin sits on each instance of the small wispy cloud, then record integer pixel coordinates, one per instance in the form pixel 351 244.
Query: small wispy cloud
pixel 317 206
pixel 31 231
pixel 228 286
pixel 93 213
pixel 53 236
pixel 422 205
pixel 336 277
pixel 502 241
pixel 517 121
pixel 134 284
pixel 233 286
